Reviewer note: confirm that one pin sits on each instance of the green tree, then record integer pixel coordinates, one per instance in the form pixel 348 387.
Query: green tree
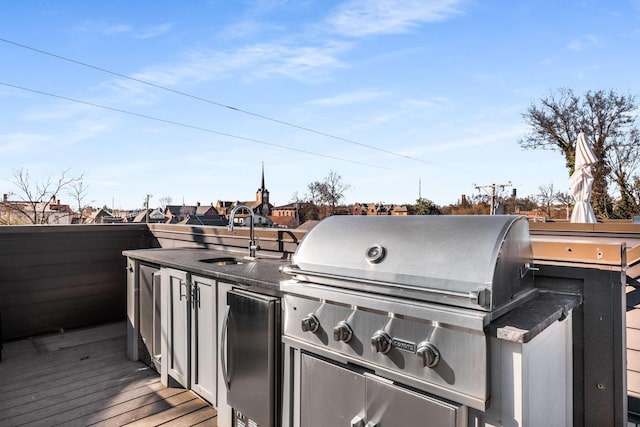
pixel 608 121
pixel 424 207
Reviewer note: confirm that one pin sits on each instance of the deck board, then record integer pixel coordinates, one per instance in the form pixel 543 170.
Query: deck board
pixel 80 378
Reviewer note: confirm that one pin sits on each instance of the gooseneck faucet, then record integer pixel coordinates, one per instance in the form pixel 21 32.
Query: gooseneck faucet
pixel 252 242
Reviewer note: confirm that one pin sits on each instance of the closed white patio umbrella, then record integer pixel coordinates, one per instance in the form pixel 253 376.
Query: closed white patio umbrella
pixel 581 181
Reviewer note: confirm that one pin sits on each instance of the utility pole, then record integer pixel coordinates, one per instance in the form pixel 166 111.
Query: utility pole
pixel 146 207
pixel 492 192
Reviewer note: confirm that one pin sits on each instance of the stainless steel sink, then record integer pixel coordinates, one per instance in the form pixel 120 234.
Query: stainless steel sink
pixel 222 261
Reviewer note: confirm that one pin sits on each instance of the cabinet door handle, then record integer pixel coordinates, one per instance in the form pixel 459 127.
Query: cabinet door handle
pixel 193 289
pixel 357 422
pixel 185 290
pixel 223 347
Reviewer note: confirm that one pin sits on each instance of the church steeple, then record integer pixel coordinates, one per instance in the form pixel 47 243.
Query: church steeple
pixel 262 196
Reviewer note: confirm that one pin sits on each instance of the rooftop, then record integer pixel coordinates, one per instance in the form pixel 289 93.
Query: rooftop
pixel 64 285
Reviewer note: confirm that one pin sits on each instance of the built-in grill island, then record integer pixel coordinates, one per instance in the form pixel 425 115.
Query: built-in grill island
pixel 422 320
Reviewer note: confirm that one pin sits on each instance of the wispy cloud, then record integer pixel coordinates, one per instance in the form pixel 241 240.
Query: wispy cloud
pixel 255 62
pixel 87 129
pixel 151 32
pixel 21 142
pixel 302 63
pixel 434 102
pixel 585 42
pixel 350 98
pixel 361 18
pixel 478 138
pixel 117 29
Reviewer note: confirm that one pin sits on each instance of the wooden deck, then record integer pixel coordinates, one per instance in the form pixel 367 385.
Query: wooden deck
pixel 83 378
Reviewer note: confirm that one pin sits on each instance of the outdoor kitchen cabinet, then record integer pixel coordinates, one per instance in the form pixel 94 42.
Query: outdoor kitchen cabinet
pixel 332 395
pixel 144 312
pixel 189 346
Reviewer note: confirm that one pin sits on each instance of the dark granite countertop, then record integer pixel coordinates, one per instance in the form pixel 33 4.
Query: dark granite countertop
pixel 263 272
pixel 525 322
pixel 520 325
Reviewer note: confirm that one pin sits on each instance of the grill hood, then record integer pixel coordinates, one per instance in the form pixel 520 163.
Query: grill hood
pixel 479 262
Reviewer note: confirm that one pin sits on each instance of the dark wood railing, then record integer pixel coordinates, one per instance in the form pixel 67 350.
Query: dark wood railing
pixel 55 277
pixel 64 276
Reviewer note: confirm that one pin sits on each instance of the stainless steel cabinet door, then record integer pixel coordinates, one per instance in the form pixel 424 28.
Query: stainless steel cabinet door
pixel 392 406
pixel 203 338
pixel 330 395
pixel 252 345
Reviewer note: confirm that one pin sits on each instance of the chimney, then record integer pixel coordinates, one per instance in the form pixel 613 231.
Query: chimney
pixel 5 198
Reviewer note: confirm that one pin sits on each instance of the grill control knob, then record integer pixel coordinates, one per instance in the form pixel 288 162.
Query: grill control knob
pixel 342 332
pixel 428 353
pixel 310 323
pixel 381 342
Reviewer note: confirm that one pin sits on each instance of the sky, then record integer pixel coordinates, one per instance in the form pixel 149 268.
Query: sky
pixel 188 99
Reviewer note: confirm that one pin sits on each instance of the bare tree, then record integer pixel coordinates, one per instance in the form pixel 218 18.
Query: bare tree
pixel 315 191
pixel 607 119
pixel 38 196
pixel 565 199
pixel 323 196
pixel 165 201
pixel 547 196
pixel 78 193
pixel 333 190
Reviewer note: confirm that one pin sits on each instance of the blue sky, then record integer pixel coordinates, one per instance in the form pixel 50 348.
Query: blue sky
pixel 408 91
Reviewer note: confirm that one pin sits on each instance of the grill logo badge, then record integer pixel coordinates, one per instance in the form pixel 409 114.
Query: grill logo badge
pixel 403 345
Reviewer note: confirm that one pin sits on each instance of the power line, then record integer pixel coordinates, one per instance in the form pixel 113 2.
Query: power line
pixel 219 104
pixel 185 125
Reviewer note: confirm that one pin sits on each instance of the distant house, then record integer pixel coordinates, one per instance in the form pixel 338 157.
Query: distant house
pixel 285 221
pixel 260 221
pixel 103 216
pixel 204 220
pixel 285 216
pixel 177 214
pixel 290 210
pixel 206 210
pixel 154 216
pixel 400 210
pixel 359 209
pixel 21 212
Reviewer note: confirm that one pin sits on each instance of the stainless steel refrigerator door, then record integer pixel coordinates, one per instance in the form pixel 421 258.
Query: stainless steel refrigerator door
pixel 251 355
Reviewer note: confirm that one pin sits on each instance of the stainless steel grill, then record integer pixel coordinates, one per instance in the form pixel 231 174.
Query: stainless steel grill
pixel 405 300
pixel 479 262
